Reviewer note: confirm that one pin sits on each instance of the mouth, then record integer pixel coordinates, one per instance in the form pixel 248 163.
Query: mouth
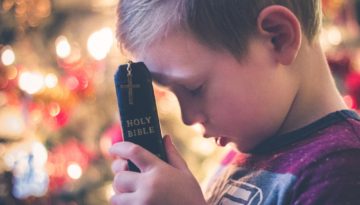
pixel 221 141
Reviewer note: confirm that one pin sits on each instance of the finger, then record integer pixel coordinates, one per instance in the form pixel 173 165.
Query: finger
pixel 125 182
pixel 119 165
pixel 141 157
pixel 173 155
pixel 114 156
pixel 121 199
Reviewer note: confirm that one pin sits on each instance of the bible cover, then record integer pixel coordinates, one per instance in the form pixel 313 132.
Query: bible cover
pixel 138 113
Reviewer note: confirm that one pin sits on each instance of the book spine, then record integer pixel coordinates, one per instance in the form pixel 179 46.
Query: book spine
pixel 138 113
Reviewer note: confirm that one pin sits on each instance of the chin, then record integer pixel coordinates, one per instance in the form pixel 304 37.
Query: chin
pixel 242 147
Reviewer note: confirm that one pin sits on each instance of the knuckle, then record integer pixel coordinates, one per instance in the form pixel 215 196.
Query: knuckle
pixel 117 177
pixel 119 165
pixel 118 183
pixel 134 149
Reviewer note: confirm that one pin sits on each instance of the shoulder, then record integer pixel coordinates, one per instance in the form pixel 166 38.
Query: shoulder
pixel 316 147
pixel 331 179
pixel 338 138
pixel 331 174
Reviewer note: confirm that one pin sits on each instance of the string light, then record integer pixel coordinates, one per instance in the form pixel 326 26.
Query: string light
pixel 100 43
pixel 7 56
pixel 31 82
pixel 334 36
pixel 54 109
pixel 63 47
pixel 72 83
pixel 74 171
pixel 51 80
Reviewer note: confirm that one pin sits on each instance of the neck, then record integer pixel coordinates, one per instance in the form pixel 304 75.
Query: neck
pixel 317 94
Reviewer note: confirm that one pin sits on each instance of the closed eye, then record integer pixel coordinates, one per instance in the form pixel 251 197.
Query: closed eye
pixel 197 91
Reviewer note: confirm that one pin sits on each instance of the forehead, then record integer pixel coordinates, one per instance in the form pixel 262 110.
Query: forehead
pixel 176 56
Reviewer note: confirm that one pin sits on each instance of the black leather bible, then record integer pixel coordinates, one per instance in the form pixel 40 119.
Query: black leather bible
pixel 137 106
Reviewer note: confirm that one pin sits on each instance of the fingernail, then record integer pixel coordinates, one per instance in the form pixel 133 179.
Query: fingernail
pixel 167 137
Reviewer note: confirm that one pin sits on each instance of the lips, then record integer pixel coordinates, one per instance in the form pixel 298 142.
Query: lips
pixel 221 141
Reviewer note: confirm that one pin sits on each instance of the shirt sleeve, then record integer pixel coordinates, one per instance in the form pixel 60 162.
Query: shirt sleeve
pixel 333 179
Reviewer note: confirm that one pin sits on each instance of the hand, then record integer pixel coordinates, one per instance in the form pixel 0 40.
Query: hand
pixel 158 183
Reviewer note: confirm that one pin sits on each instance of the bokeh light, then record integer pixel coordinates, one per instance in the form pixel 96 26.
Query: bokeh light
pixel 54 109
pixel 40 154
pixel 7 56
pixel 63 47
pixel 100 43
pixel 31 82
pixel 51 80
pixel 74 171
pixel 334 36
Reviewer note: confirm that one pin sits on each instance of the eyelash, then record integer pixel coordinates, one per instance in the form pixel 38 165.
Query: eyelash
pixel 196 91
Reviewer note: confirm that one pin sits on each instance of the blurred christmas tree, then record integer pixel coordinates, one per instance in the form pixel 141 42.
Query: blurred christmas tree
pixel 340 39
pixel 58 114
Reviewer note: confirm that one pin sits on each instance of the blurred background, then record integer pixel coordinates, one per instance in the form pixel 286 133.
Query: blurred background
pixel 58 111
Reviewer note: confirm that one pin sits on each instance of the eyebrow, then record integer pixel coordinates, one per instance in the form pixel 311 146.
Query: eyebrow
pixel 160 79
pixel 167 80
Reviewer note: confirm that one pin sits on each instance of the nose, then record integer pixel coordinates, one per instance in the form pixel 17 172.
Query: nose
pixel 191 110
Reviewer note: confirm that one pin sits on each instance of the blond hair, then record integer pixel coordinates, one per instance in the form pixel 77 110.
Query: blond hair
pixel 219 24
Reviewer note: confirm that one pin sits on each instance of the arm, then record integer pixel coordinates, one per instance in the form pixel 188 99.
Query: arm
pixel 158 182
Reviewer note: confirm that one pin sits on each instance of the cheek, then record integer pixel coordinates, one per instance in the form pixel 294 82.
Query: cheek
pixel 248 116
pixel 227 111
pixel 240 111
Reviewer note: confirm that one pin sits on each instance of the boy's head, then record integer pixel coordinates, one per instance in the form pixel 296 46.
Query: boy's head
pixel 219 24
pixel 233 64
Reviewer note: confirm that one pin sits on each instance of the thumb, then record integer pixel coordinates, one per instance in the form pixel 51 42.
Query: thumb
pixel 173 156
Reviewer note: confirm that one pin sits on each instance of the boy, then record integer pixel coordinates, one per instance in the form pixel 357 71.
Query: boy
pixel 253 74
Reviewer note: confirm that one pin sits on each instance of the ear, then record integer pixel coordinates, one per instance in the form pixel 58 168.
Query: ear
pixel 282 28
